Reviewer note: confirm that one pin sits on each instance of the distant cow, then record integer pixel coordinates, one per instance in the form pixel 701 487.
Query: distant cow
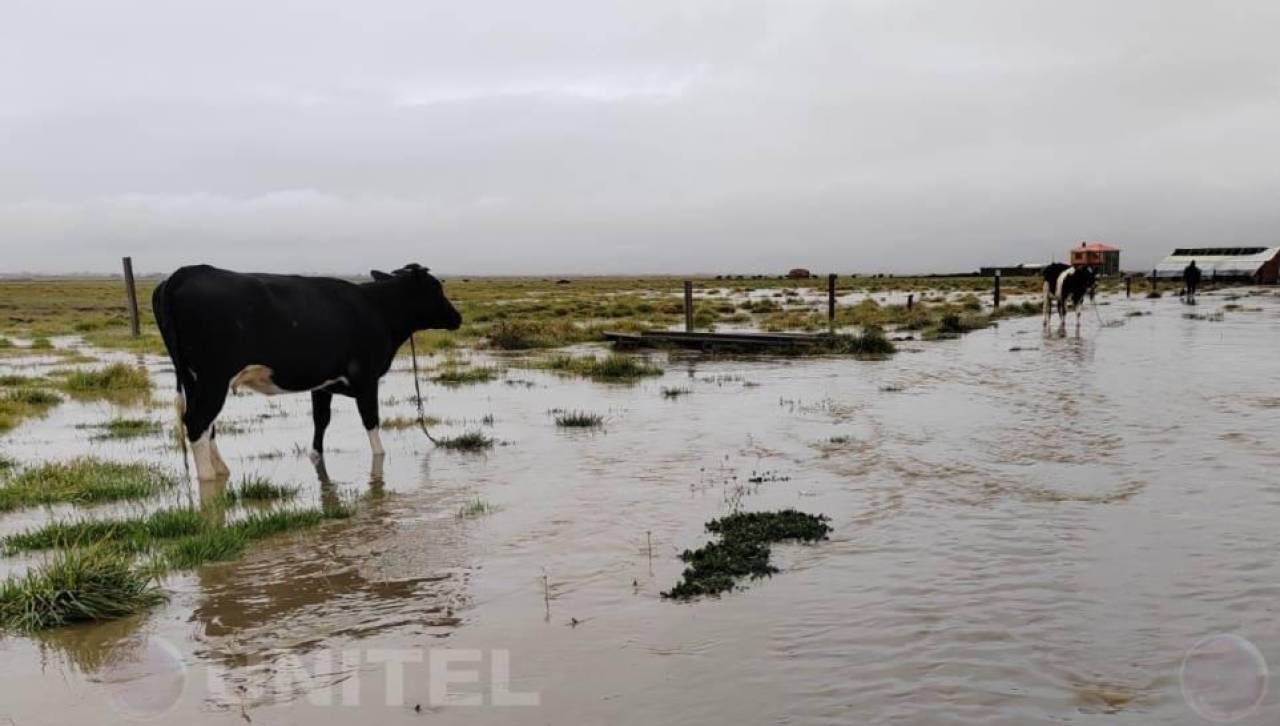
pixel 288 334
pixel 1062 282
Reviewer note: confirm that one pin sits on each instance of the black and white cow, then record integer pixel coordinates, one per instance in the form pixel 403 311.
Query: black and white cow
pixel 227 331
pixel 1062 282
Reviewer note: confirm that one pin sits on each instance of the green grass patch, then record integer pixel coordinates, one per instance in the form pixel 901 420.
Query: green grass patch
pixel 870 343
pixel 475 508
pixel 579 419
pixel 613 368
pixel 76 586
pixel 399 423
pixel 125 428
pixel 258 489
pixel 85 480
pixel 468 441
pixel 676 391
pixel 456 375
pixel 19 404
pixel 134 534
pixel 743 550
pixel 115 378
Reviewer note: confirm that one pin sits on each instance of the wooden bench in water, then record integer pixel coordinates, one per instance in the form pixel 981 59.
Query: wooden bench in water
pixel 716 341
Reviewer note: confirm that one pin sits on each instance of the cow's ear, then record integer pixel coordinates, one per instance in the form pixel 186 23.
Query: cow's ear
pixel 379 275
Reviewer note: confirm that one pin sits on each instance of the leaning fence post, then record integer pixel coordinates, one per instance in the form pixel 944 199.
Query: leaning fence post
pixel 688 306
pixel 997 290
pixel 132 291
pixel 831 303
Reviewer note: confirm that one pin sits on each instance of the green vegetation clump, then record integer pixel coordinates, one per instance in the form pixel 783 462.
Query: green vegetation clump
pixel 19 404
pixel 525 334
pixel 579 419
pixel 475 508
pixel 469 441
pixel 132 535
pixel 76 586
pixel 126 428
pixel 115 378
pixel 258 489
pixel 743 550
pixel 399 423
pixel 675 391
pixel 870 343
pixel 613 368
pixel 457 375
pixel 85 480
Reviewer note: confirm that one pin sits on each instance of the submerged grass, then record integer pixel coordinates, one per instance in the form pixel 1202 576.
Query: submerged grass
pixel 579 419
pixel 19 404
pixel 743 550
pixel 475 508
pixel 85 480
pixel 613 368
pixel 125 428
pixel 75 586
pixel 115 378
pixel 456 375
pixel 468 441
pixel 258 489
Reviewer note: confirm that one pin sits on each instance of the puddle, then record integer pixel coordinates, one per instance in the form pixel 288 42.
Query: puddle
pixel 1001 524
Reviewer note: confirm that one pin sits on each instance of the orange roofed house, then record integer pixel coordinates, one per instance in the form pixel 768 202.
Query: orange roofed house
pixel 1104 259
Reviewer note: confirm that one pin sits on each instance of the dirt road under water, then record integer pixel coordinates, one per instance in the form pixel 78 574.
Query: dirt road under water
pixel 1027 529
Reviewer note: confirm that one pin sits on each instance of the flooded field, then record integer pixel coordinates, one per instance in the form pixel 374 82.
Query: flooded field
pixel 1026 529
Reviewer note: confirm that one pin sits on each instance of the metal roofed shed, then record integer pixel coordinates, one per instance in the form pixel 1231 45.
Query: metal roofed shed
pixel 1103 258
pixel 1254 264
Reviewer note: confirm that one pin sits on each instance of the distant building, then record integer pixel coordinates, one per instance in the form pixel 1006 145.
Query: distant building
pixel 1104 259
pixel 1244 264
pixel 799 273
pixel 1027 269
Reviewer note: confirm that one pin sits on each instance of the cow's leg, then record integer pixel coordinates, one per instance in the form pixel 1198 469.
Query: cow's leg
pixel 367 404
pixel 219 466
pixel 321 413
pixel 1048 312
pixel 203 406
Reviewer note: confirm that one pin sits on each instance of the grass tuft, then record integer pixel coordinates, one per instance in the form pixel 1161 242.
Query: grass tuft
pixel 76 586
pixel 469 441
pixel 258 489
pixel 579 419
pixel 613 368
pixel 125 428
pixel 475 508
pixel 85 480
pixel 117 377
pixel 456 375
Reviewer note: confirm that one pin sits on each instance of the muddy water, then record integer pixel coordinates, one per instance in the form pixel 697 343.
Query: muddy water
pixel 1037 535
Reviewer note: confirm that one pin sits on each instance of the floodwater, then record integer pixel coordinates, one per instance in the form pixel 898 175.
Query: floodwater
pixel 1027 530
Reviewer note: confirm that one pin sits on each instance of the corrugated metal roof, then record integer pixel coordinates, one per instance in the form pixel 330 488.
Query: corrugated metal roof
pixel 1226 261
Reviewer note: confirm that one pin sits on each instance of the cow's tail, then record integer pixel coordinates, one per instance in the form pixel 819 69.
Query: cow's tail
pixel 162 307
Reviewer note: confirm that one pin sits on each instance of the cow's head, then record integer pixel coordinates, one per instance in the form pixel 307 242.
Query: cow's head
pixel 427 300
pixel 1087 281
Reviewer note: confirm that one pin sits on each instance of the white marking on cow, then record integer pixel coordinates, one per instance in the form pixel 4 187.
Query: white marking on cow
pixel 1062 280
pixel 204 459
pixel 258 378
pixel 375 442
pixel 219 466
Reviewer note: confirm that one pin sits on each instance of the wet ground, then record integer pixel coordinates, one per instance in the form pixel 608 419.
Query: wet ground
pixel 1027 529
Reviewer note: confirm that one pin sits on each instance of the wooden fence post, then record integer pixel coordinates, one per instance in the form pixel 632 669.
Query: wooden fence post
pixel 1155 281
pixel 997 290
pixel 831 303
pixel 688 306
pixel 1128 285
pixel 911 300
pixel 134 323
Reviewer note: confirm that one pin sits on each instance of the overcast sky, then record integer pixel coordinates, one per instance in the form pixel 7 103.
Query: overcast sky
pixel 593 136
